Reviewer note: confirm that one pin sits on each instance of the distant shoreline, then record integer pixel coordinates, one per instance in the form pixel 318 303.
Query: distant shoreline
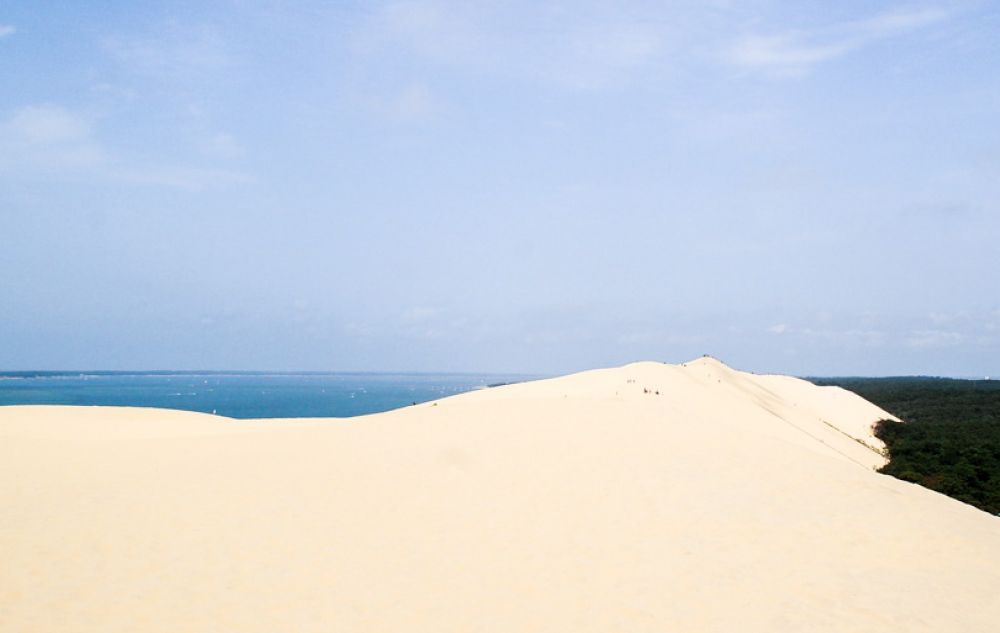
pixel 44 373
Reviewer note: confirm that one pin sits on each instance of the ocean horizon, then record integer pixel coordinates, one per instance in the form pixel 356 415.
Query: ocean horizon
pixel 244 394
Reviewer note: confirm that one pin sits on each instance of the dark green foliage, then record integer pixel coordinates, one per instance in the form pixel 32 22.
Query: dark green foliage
pixel 950 440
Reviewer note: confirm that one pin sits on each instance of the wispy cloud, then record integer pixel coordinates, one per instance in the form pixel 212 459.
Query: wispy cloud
pixel 176 66
pixel 585 48
pixel 222 146
pixel 47 125
pixel 429 28
pixel 6 29
pixel 414 102
pixel 787 54
pixel 893 22
pixel 419 313
pixel 178 176
pixel 594 56
pixel 868 337
pixel 51 137
pixel 55 142
pixel 176 52
pixel 933 331
pixel 933 338
pixel 796 53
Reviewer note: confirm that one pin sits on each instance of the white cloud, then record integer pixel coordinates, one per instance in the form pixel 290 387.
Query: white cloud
pixel 796 52
pixel 419 313
pixel 941 318
pixel 893 22
pixel 177 176
pixel 46 125
pixel 56 142
pixel 594 56
pixel 659 338
pixel 867 337
pixel 586 47
pixel 222 146
pixel 51 137
pixel 415 102
pixel 179 52
pixel 430 28
pixel 991 322
pixel 360 329
pixel 410 103
pixel 6 29
pixel 933 338
pixel 785 54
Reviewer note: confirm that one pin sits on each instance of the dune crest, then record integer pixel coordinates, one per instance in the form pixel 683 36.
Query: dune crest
pixel 648 497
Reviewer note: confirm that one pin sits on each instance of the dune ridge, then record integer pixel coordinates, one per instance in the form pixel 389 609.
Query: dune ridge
pixel 648 497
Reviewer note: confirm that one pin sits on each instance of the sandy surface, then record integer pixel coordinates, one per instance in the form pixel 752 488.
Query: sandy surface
pixel 725 502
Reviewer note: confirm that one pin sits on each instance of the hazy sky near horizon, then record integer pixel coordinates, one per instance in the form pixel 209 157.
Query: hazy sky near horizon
pixel 807 187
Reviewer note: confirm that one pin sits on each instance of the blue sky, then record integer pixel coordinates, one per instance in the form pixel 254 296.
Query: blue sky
pixel 806 187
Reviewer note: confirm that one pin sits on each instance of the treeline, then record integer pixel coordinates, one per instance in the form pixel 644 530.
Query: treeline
pixel 950 438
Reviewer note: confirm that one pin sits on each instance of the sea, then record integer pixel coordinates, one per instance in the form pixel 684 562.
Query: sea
pixel 244 394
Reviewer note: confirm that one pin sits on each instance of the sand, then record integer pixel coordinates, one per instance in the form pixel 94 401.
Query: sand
pixel 724 502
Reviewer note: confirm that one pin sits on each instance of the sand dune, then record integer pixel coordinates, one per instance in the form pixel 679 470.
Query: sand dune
pixel 649 497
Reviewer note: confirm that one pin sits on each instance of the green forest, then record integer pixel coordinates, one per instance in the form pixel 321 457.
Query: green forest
pixel 949 440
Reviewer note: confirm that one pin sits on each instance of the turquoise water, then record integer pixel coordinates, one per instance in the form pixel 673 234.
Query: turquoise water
pixel 243 395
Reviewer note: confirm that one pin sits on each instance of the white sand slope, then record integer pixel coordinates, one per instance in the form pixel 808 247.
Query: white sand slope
pixel 724 502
